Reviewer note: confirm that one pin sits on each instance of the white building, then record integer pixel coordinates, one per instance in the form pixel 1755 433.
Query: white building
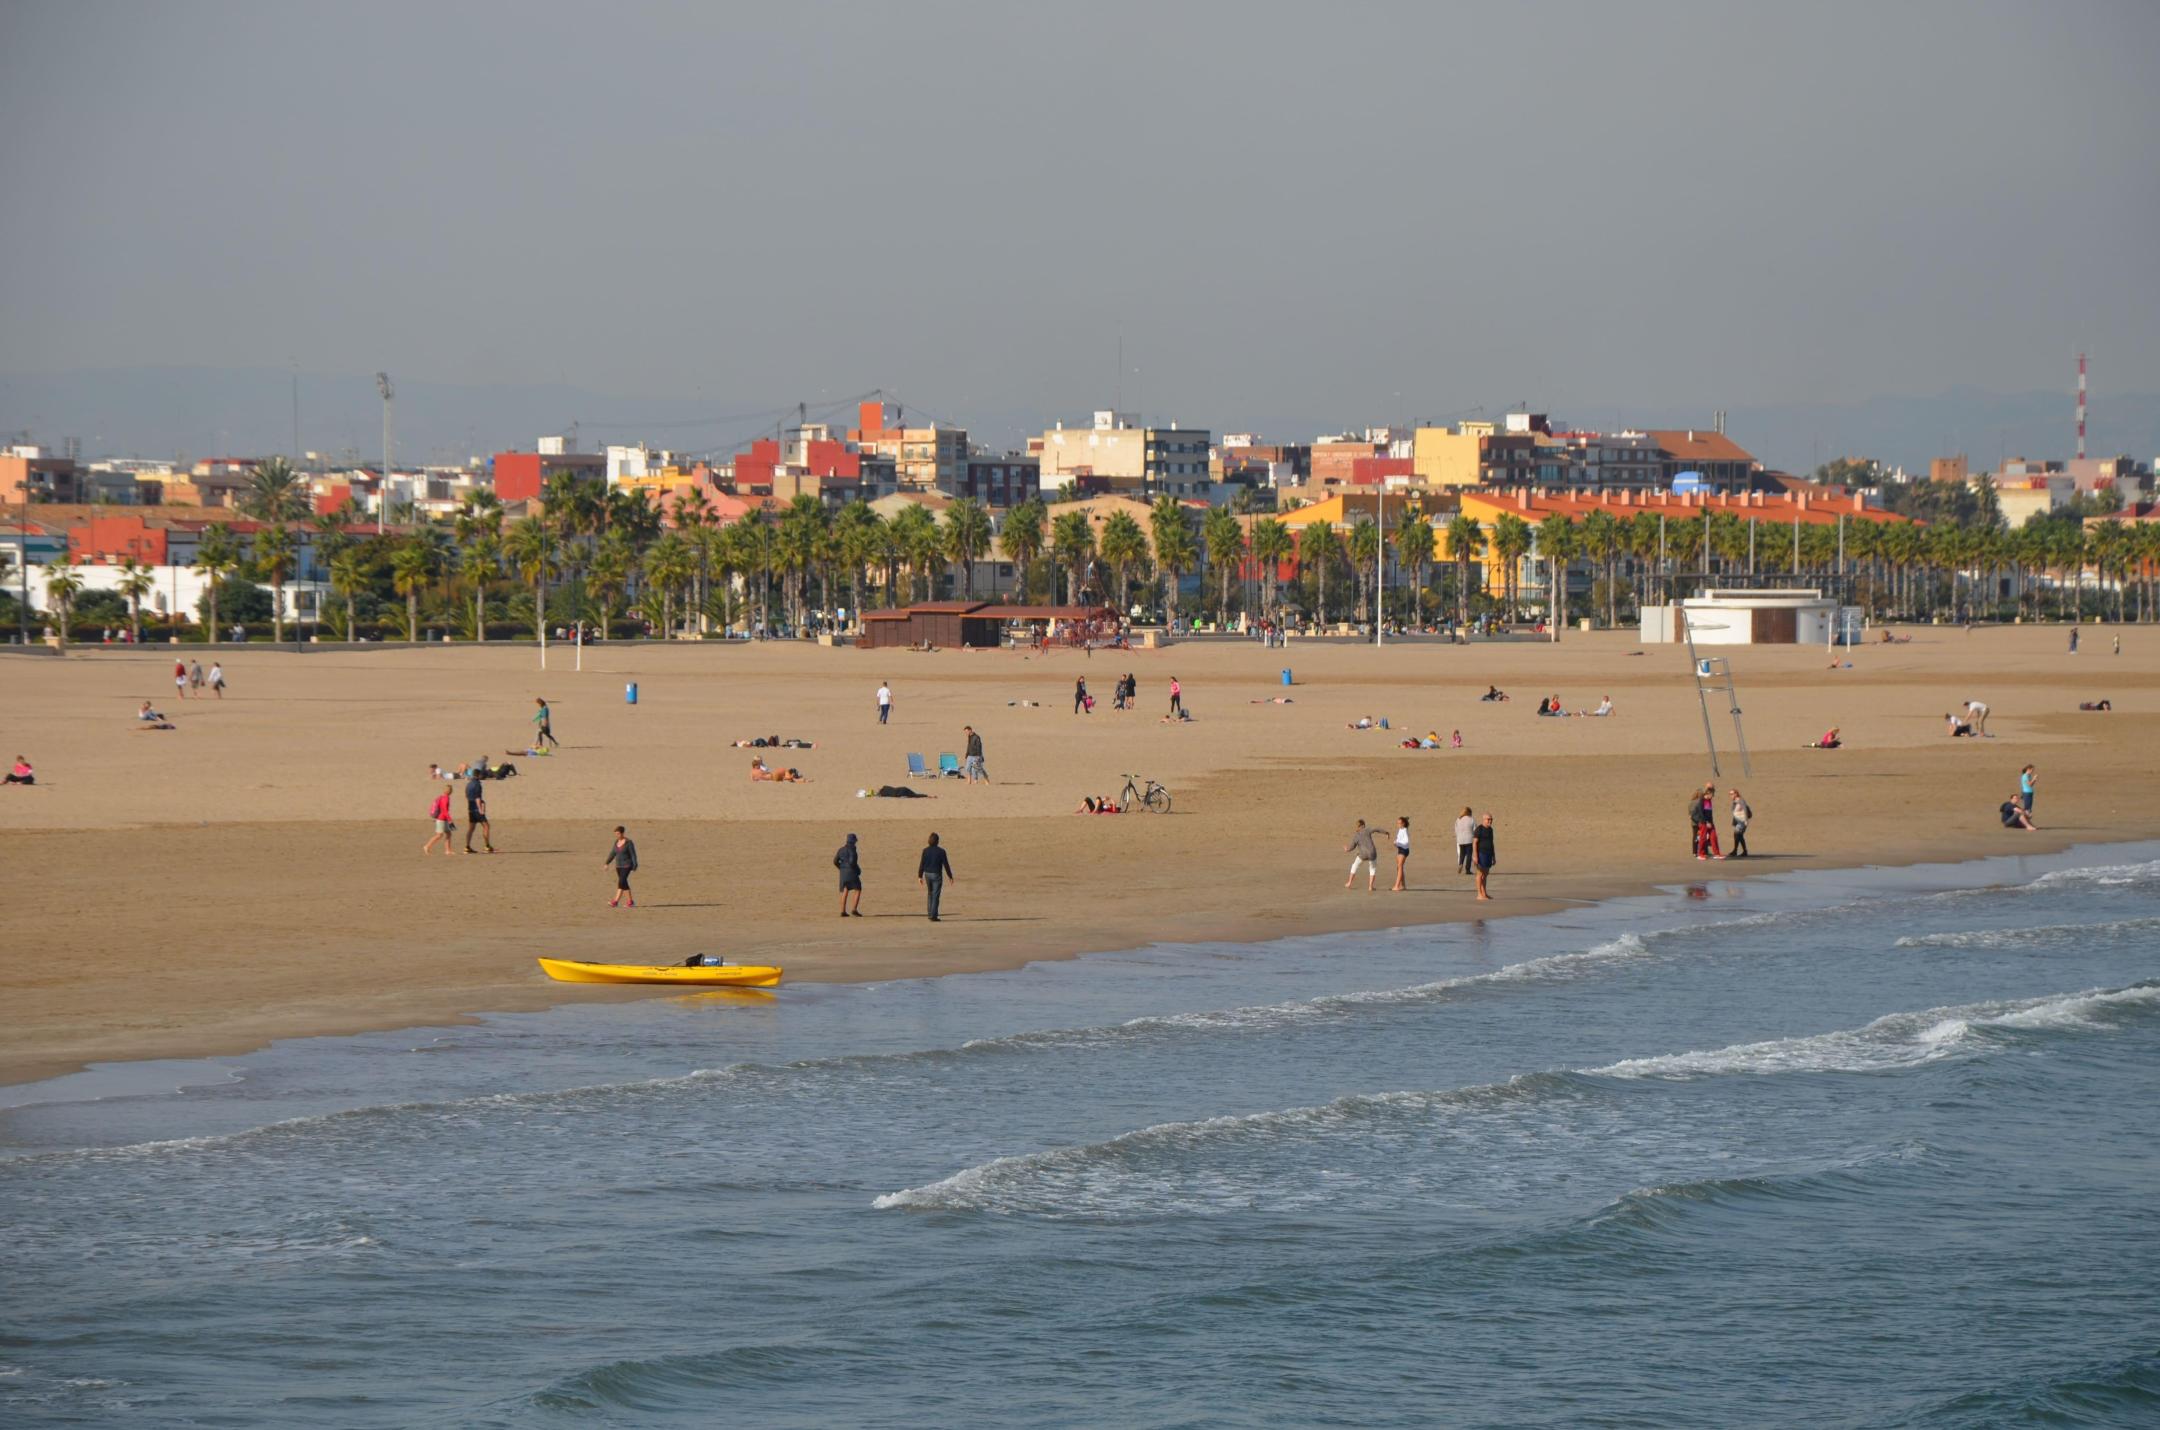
pixel 1752 617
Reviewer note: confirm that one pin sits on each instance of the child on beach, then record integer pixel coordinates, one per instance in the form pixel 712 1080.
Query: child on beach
pixel 2025 787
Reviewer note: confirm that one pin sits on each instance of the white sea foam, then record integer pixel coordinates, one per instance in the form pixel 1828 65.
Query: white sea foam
pixel 2036 935
pixel 1137 1170
pixel 1896 1041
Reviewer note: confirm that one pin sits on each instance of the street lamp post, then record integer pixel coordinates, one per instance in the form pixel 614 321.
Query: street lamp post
pixel 382 492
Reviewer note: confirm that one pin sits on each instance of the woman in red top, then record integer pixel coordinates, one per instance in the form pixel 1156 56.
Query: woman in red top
pixel 445 826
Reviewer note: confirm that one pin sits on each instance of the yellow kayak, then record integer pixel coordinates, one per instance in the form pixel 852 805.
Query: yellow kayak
pixel 726 975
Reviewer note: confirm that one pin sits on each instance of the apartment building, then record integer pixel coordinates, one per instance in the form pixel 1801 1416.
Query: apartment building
pixel 1116 453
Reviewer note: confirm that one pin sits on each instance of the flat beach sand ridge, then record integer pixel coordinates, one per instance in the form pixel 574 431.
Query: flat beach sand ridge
pixel 257 873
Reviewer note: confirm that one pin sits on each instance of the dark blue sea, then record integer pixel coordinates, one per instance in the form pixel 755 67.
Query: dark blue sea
pixel 1859 1149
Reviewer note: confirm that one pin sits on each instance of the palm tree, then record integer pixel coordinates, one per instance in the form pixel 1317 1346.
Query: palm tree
pixel 858 540
pixel 1072 540
pixel 1510 543
pixel 411 568
pixel 218 556
pixel 349 577
pixel 275 554
pixel 275 492
pixel 136 582
pixel 669 566
pixel 1271 546
pixel 1318 548
pixel 1022 539
pixel 1558 542
pixel 1601 542
pixel 917 542
pixel 1223 536
pixel 798 541
pixel 480 564
pixel 609 577
pixel 967 538
pixel 1124 546
pixel 1176 552
pixel 1364 548
pixel 754 547
pixel 1465 543
pixel 1414 549
pixel 534 551
pixel 63 583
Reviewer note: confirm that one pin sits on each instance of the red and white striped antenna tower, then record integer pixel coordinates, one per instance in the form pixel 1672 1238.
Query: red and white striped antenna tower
pixel 2081 407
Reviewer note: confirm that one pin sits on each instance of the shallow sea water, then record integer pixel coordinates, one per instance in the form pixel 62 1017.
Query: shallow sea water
pixel 1860 1149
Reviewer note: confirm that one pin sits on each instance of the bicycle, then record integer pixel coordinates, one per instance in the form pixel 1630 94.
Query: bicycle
pixel 1155 799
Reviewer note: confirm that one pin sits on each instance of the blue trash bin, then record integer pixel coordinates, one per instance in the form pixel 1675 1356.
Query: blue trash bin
pixel 629 693
pixel 1286 678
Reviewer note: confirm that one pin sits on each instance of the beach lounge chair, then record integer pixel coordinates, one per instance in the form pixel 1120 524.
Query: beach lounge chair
pixel 948 765
pixel 916 769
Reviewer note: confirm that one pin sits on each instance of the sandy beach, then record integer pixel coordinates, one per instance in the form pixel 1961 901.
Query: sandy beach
pixel 256 873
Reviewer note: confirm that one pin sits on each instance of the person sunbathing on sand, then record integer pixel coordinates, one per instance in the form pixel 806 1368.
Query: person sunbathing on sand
pixel 1493 692
pixel 1604 707
pixel 774 742
pixel 758 771
pixel 1089 804
pixel 2096 705
pixel 148 719
pixel 1363 722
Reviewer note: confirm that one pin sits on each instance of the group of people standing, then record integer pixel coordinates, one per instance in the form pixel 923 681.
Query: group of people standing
pixel 1475 853
pixel 1702 822
pixel 933 867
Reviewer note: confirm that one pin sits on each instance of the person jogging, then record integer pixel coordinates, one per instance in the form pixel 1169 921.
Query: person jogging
pixel 544 726
pixel 445 826
pixel 1402 851
pixel 974 766
pixel 931 871
pixel 884 703
pixel 849 862
pixel 476 815
pixel 622 858
pixel 1465 837
pixel 1361 851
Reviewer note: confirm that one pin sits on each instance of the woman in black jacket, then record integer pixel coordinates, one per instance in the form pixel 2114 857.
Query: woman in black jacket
pixel 849 862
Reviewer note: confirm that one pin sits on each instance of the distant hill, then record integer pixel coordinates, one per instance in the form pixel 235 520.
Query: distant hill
pixel 196 412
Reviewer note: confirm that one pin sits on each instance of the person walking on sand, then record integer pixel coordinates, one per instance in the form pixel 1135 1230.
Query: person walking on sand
pixel 1485 857
pixel 1465 836
pixel 931 871
pixel 217 679
pixel 622 858
pixel 179 678
pixel 544 726
pixel 1080 696
pixel 194 675
pixel 445 828
pixel 1402 852
pixel 1177 697
pixel 2073 640
pixel 476 815
pixel 1361 851
pixel 1741 814
pixel 1708 827
pixel 849 862
pixel 2025 787
pixel 884 702
pixel 974 766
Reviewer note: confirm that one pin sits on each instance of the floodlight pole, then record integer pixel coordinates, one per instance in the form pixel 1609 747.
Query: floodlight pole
pixel 382 493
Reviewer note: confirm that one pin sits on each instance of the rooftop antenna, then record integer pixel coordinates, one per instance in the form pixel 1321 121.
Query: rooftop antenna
pixel 2081 407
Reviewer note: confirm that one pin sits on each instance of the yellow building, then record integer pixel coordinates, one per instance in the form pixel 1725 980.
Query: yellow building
pixel 1448 457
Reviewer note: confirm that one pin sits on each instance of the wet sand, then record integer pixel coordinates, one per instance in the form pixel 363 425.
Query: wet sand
pixel 256 873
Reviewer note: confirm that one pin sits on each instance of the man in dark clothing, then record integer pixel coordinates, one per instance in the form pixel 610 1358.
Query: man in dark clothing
pixel 975 770
pixel 932 872
pixel 849 862
pixel 476 816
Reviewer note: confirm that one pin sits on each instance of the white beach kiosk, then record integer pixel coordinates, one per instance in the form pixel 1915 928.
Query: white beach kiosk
pixel 1753 617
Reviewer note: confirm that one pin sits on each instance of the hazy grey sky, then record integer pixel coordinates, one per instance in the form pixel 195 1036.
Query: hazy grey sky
pixel 1365 210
